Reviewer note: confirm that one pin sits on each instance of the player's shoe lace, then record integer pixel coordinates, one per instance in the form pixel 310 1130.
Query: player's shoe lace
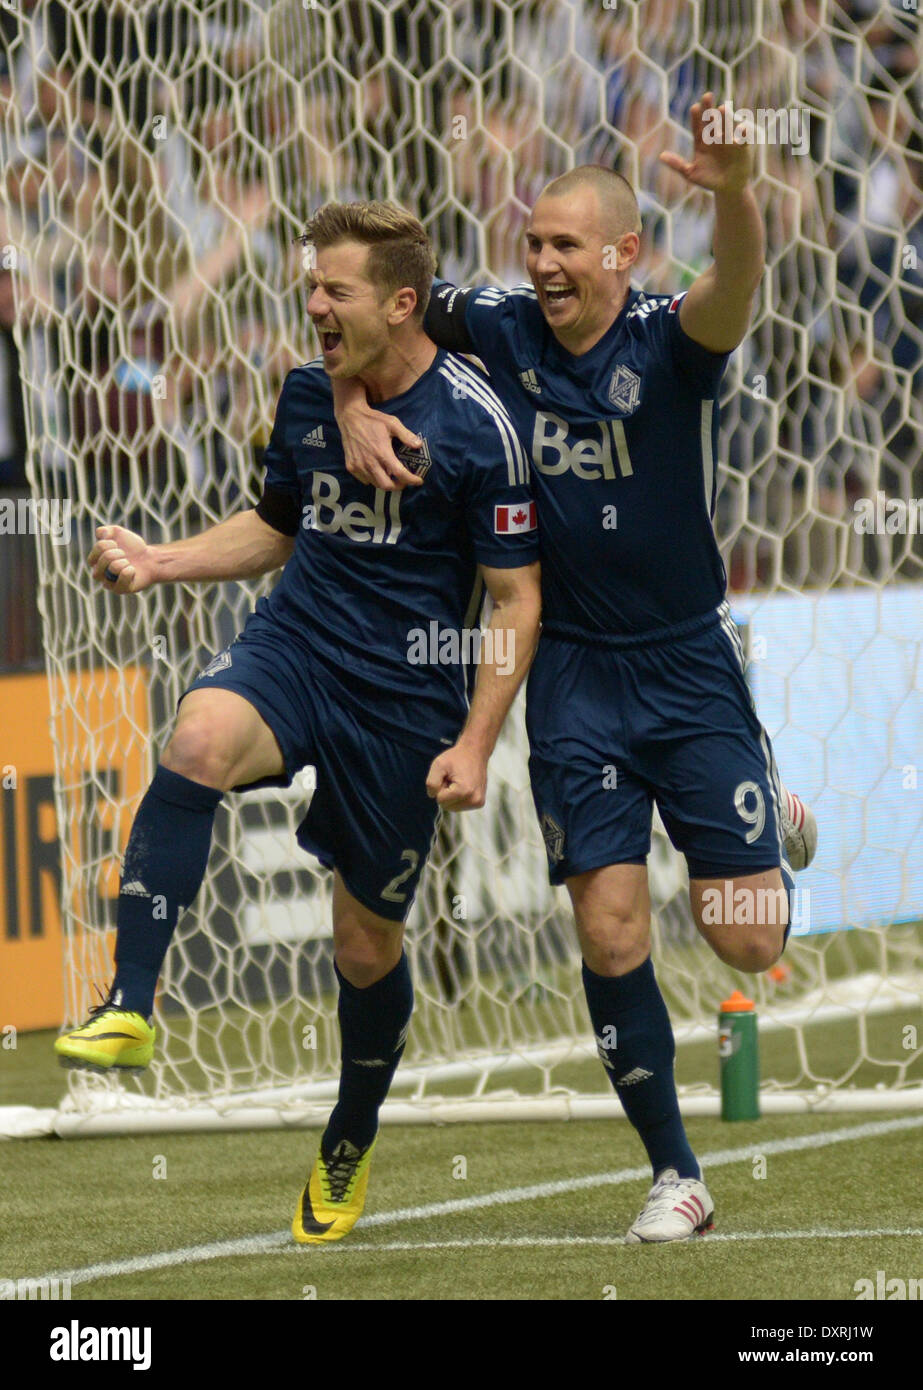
pixel 676 1208
pixel 341 1171
pixel 106 1005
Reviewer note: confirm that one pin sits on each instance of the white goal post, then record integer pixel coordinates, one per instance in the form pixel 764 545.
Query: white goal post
pixel 159 159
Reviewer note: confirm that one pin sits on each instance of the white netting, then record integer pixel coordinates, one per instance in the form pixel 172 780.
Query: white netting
pixel 159 159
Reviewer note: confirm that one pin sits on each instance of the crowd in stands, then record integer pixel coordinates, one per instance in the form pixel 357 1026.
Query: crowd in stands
pixel 160 158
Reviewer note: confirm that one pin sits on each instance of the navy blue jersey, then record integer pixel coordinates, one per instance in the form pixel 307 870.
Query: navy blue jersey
pixel 379 581
pixel 622 441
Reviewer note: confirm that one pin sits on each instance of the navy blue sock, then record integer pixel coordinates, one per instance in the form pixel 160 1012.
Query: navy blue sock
pixel 164 865
pixel 635 1042
pixel 373 1028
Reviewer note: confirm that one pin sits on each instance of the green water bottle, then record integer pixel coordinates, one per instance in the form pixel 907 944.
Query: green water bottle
pixel 739 1054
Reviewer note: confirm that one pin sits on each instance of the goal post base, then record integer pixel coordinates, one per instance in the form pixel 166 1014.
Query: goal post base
pixel 21 1122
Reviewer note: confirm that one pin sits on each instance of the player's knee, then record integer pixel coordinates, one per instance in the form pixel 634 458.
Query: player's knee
pixel 201 751
pixel 614 939
pixel 365 958
pixel 743 920
pixel 366 948
pixel 753 949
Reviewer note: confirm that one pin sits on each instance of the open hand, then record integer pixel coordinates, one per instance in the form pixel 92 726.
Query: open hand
pixel 716 164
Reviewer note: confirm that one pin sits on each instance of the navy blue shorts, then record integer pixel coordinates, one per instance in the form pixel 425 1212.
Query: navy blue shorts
pixel 370 816
pixel 611 731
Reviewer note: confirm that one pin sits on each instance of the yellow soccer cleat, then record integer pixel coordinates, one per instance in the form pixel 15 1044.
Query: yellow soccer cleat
pixel 333 1199
pixel 112 1039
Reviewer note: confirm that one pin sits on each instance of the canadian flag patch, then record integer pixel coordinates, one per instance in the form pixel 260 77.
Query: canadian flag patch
pixel 519 517
pixel 675 302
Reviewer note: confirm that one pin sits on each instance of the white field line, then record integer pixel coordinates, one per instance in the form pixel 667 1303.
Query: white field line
pixel 281 1241
pixel 542 1242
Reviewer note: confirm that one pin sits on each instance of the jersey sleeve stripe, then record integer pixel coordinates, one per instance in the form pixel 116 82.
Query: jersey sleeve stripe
pixel 516 461
pixel 705 436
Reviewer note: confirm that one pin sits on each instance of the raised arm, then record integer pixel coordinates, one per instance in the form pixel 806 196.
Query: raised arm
pixel 240 548
pixel 458 777
pixel 716 310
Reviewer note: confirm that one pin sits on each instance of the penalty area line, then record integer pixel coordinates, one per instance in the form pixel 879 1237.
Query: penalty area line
pixel 282 1242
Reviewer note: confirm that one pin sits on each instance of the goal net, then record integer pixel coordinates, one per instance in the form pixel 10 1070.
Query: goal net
pixel 159 160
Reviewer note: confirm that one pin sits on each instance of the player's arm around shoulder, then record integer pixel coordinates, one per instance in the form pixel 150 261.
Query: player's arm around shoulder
pixel 458 777
pixel 370 436
pixel 716 310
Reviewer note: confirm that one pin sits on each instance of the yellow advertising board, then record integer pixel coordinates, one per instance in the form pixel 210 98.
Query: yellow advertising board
pixel 103 724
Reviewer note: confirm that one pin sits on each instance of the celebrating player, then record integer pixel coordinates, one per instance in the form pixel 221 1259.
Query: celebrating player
pixel 322 672
pixel 637 693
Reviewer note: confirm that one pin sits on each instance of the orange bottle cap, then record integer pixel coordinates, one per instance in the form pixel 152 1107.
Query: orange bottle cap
pixel 737 1004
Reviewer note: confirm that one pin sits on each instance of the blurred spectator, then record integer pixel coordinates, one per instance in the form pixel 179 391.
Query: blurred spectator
pixel 164 254
pixel 12 419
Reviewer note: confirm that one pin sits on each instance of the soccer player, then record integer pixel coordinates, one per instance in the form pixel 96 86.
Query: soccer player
pixel 638 692
pixel 328 669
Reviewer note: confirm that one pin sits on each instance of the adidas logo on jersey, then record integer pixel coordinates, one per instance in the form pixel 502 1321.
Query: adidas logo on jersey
pixel 315 438
pixel 530 381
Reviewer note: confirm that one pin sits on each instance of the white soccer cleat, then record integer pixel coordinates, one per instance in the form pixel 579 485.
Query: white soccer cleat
pixel 676 1208
pixel 799 830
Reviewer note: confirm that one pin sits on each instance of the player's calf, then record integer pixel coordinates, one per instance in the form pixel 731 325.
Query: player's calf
pixel 744 920
pixel 374 1011
pixel 612 913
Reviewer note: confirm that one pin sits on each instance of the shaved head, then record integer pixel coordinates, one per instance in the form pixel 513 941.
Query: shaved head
pixel 582 239
pixel 618 206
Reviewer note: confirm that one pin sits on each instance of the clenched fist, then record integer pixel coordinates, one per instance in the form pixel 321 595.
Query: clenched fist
pixel 458 779
pixel 121 560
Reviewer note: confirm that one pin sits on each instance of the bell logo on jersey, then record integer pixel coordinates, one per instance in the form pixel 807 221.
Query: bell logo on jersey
pixel 589 457
pixel 380 524
pixel 521 516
